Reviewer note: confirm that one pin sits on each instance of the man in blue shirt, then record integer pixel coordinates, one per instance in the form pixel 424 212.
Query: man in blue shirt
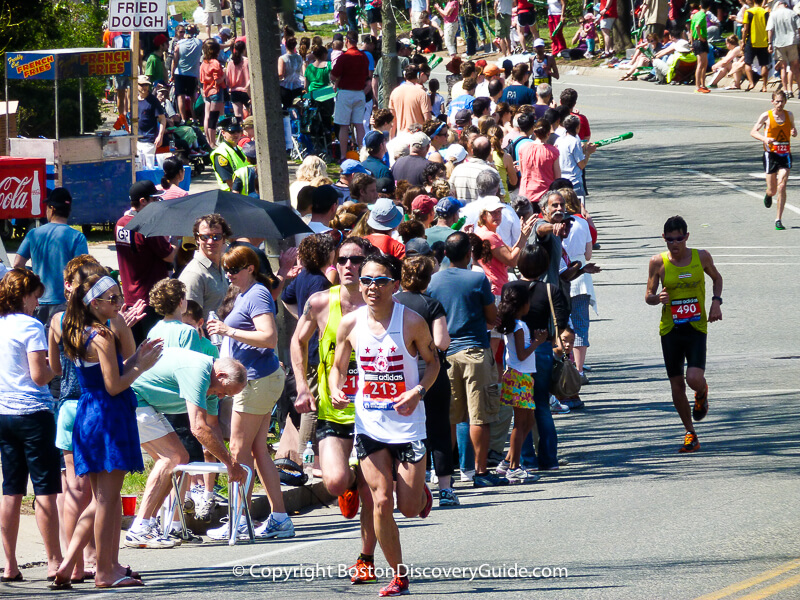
pixel 468 301
pixel 518 93
pixel 375 143
pixel 51 247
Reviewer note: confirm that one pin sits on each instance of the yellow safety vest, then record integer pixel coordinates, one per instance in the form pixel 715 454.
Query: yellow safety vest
pixel 230 155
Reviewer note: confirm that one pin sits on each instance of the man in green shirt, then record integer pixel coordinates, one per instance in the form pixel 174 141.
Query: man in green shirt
pixel 699 34
pixel 181 381
pixel 154 67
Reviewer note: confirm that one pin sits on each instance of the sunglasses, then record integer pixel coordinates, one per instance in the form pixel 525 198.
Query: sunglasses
pixel 378 281
pixel 210 237
pixel 232 271
pixel 674 240
pixel 113 299
pixel 356 260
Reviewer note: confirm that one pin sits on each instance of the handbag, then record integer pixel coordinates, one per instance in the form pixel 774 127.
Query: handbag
pixel 565 381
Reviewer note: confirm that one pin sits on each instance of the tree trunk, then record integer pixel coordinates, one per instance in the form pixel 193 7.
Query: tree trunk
pixel 622 26
pixel 286 14
pixel 388 73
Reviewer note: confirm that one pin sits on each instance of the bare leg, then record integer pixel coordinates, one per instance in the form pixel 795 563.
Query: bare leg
pixel 78 496
pixel 523 421
pixel 479 434
pixel 266 468
pixel 168 453
pixel 9 528
pixel 780 198
pixel 377 469
pixel 106 488
pixel 47 520
pixel 579 354
pixel 696 380
pixel 344 135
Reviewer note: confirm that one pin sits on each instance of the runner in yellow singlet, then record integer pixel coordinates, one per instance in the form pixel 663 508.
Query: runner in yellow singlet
pixel 335 428
pixel 779 129
pixel 680 272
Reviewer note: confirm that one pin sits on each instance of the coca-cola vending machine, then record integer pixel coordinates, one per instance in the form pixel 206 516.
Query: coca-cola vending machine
pixel 22 188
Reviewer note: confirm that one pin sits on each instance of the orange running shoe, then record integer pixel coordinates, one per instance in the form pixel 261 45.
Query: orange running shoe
pixel 690 443
pixel 348 503
pixel 700 409
pixel 397 587
pixel 364 572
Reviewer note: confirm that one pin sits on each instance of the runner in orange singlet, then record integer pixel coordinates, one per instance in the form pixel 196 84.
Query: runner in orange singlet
pixel 779 129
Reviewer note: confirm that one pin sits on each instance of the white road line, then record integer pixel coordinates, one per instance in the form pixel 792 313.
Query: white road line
pixel 737 188
pixel 667 91
pixel 748 247
pixel 769 264
pixel 748 392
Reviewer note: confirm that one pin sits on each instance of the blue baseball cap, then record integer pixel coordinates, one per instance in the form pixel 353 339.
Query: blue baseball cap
pixel 351 167
pixel 373 140
pixel 448 206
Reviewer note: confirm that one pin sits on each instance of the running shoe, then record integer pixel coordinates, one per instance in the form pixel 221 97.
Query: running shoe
pixel 221 532
pixel 557 408
pixel 703 90
pixel 767 200
pixel 700 409
pixel 779 226
pixel 176 535
pixel 363 572
pixel 447 497
pixel 467 476
pixel 271 528
pixel 348 503
pixel 203 508
pixel 690 443
pixel 502 468
pixel 397 587
pixel 519 475
pixel 428 503
pixel 574 403
pixel 488 480
pixel 149 538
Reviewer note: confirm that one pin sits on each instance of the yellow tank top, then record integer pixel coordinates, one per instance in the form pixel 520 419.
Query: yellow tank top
pixel 327 350
pixel 687 295
pixel 497 157
pixel 781 133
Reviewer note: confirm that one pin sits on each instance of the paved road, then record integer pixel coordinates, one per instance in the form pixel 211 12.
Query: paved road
pixel 629 518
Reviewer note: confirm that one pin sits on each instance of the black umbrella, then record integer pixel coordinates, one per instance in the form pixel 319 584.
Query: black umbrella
pixel 248 217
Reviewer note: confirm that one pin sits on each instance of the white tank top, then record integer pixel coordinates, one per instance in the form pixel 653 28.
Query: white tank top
pixel 385 370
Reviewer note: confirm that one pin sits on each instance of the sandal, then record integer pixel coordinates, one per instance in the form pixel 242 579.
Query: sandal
pixel 60 585
pixel 14 579
pixel 119 583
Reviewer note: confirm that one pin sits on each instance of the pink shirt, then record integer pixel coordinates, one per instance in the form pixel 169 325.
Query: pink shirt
pixel 173 193
pixel 454 16
pixel 536 164
pixel 238 76
pixel 495 270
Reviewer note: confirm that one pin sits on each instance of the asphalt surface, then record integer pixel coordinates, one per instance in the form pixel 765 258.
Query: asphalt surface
pixel 629 518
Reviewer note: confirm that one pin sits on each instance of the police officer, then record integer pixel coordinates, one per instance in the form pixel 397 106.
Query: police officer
pixel 245 179
pixel 227 156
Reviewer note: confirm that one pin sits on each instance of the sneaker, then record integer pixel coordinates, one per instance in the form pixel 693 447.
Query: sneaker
pixel 502 468
pixel 221 532
pixel 397 587
pixel 557 408
pixel 272 529
pixel 467 476
pixel 203 508
pixel 364 572
pixel 176 535
pixel 520 475
pixel 587 367
pixel 574 403
pixel 428 503
pixel 700 409
pixel 690 443
pixel 348 503
pixel 584 379
pixel 434 478
pixel 779 226
pixel 447 497
pixel 767 200
pixel 488 480
pixel 149 538
pixel 703 90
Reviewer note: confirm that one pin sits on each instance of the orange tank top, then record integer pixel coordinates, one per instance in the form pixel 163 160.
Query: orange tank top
pixel 780 132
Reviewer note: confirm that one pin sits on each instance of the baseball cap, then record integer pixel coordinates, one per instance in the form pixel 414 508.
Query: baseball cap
pixel 405 42
pixel 61 198
pixel 373 140
pixel 456 152
pixel 248 121
pixel 491 70
pixel 424 204
pixel 144 80
pixel 490 204
pixel 350 167
pixel 230 124
pixel 463 117
pixel 480 63
pixel 143 189
pixel 448 206
pixel 160 39
pixel 385 185
pixel 384 215
pixel 226 31
pixel 418 139
pixel 418 247
pixel 538 42
pixel 249 150
pixel 338 37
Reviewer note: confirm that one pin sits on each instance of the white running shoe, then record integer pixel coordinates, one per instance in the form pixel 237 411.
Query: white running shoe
pixel 557 408
pixel 272 529
pixel 221 532
pixel 150 538
pixel 467 475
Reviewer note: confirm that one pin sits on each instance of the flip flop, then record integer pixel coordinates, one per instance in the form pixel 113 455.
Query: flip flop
pixel 118 583
pixel 60 585
pixel 131 573
pixel 733 87
pixel 17 577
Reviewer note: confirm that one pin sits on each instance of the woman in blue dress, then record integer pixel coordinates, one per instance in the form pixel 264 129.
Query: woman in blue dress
pixel 105 437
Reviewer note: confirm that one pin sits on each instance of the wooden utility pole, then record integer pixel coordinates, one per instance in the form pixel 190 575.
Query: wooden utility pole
pixel 263 51
pixel 388 52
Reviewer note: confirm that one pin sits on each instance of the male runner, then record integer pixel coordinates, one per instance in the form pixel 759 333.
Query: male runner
pixel 390 417
pixel 322 313
pixel 680 270
pixel 779 125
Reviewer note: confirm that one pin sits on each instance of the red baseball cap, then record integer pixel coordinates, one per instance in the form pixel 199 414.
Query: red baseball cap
pixel 424 204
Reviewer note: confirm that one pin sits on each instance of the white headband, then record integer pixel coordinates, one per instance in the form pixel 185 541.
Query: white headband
pixel 103 284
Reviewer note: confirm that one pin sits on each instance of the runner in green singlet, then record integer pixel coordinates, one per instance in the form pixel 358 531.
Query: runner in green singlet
pixel 681 272
pixel 335 428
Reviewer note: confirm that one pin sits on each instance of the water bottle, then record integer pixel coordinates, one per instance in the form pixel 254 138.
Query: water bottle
pixel 308 461
pixel 216 338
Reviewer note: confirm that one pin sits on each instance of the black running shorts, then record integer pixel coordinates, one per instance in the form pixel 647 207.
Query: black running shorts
pixel 410 452
pixel 333 429
pixel 684 344
pixel 775 162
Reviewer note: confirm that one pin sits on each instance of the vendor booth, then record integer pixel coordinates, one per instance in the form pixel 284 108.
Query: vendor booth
pixel 97 168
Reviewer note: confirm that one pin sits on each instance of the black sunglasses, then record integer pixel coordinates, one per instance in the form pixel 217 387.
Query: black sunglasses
pixel 213 237
pixel 356 260
pixel 233 271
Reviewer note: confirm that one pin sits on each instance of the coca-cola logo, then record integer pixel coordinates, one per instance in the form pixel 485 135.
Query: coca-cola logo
pixel 13 192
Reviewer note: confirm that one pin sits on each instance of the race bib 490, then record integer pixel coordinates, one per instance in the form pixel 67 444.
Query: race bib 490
pixel 685 311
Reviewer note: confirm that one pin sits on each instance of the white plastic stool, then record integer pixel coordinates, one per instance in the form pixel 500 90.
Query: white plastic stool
pixel 237 497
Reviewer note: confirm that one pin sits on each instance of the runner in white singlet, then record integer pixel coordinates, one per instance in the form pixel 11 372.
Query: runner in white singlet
pixel 390 417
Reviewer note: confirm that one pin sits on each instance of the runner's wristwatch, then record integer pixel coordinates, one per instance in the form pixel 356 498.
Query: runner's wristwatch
pixel 717 298
pixel 421 390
